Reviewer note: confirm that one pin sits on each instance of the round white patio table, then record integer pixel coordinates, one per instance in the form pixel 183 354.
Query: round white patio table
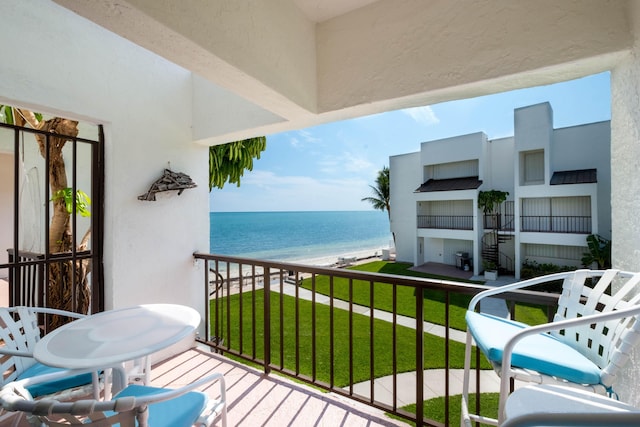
pixel 110 338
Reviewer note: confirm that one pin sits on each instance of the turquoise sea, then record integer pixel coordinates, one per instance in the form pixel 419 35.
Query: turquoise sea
pixel 318 237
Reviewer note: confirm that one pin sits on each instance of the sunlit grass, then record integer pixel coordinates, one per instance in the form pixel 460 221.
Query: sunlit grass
pixel 312 355
pixel 435 410
pixel 434 301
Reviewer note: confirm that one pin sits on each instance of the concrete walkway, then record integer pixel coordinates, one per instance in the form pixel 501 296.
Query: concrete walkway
pixel 409 322
pixel 434 379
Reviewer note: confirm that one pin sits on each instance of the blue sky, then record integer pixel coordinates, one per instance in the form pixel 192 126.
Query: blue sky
pixel 330 167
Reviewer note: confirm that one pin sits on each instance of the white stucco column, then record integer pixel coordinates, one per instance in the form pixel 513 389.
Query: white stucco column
pixel 625 187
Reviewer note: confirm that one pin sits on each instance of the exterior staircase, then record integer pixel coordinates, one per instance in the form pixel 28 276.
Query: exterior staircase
pixel 490 251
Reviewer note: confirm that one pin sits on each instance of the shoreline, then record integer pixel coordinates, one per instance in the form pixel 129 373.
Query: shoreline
pixel 331 261
pixel 341 260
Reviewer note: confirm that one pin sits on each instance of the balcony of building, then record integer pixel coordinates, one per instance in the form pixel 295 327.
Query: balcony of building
pixel 446 214
pixel 556 224
pixel 300 344
pixel 450 222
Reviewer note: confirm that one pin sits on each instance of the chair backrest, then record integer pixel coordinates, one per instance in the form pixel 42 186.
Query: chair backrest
pixel 19 332
pixel 607 344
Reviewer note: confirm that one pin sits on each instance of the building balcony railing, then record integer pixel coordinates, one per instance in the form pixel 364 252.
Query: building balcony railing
pixel 315 324
pixel 449 222
pixel 499 222
pixel 529 223
pixel 556 224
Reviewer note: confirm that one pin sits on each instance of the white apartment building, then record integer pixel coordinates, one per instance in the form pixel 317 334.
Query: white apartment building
pixel 559 185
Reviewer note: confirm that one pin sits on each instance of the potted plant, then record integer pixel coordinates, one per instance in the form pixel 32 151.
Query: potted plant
pixel 490 270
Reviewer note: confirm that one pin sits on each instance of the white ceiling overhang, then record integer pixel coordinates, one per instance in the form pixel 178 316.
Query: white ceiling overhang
pixel 295 63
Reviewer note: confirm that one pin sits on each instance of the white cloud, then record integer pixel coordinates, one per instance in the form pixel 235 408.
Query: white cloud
pixel 303 136
pixel 356 163
pixel 422 115
pixel 295 142
pixel 267 191
pixel 345 162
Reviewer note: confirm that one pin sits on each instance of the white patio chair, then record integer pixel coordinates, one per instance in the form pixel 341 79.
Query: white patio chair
pixel 558 405
pixel 134 406
pixel 19 332
pixel 589 340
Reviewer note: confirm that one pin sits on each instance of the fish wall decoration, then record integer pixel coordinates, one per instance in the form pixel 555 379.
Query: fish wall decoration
pixel 167 182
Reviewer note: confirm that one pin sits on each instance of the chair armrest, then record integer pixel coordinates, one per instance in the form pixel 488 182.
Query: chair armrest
pixel 521 285
pixel 171 393
pixel 18 353
pixel 45 310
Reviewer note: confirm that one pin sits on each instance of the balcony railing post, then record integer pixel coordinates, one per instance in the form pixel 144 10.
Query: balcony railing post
pixel 207 304
pixel 419 356
pixel 267 320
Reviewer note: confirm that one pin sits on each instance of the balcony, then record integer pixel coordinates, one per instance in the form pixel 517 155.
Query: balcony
pixel 448 222
pixel 556 224
pixel 315 326
pixel 307 326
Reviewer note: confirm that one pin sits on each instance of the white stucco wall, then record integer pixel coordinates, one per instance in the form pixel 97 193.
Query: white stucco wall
pixel 588 147
pixel 233 117
pixel 499 167
pixel 625 187
pixel 454 149
pixel 405 175
pixel 82 71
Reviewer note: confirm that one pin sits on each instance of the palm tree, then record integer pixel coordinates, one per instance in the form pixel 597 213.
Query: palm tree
pixel 381 194
pixel 599 252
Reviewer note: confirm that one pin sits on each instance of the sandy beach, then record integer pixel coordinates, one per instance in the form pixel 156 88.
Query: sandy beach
pixel 344 259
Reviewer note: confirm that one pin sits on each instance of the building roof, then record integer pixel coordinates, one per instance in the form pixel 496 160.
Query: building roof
pixel 582 176
pixel 467 183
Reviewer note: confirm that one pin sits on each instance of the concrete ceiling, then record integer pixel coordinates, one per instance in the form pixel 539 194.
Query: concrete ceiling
pixel 296 63
pixel 323 10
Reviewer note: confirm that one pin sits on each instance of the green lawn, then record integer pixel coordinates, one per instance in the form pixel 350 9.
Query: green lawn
pixel 362 335
pixel 434 306
pixel 316 361
pixel 406 303
pixel 434 408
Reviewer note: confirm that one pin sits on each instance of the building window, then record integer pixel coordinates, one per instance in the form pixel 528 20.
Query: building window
pixel 553 254
pixel 532 168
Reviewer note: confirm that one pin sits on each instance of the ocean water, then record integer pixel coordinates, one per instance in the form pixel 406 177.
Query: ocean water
pixel 310 237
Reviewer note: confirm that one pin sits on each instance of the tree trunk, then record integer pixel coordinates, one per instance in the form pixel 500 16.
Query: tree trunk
pixel 61 292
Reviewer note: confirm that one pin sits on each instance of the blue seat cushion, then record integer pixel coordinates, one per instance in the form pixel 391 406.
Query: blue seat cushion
pixel 542 353
pixel 181 411
pixel 52 386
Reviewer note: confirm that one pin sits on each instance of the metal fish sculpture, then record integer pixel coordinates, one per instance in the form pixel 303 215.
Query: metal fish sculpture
pixel 169 181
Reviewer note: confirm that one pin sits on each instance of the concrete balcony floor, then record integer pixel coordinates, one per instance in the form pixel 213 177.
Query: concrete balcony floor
pixel 256 399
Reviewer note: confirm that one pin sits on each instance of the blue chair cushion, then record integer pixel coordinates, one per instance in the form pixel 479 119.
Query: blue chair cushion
pixel 52 386
pixel 181 411
pixel 542 353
